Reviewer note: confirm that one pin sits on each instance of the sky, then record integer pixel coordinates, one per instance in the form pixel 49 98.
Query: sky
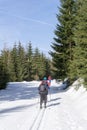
pixel 28 21
pixel 20 107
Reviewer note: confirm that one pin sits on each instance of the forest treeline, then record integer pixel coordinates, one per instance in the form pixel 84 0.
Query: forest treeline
pixel 20 64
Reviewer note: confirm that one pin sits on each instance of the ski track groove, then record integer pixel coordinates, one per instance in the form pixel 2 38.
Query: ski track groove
pixel 41 119
pixel 37 121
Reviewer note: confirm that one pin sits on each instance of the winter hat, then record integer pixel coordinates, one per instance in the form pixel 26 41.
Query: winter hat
pixel 44 78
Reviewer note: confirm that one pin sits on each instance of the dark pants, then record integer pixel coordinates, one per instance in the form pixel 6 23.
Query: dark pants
pixel 43 99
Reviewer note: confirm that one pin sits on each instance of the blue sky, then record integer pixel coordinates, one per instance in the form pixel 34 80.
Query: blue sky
pixel 28 20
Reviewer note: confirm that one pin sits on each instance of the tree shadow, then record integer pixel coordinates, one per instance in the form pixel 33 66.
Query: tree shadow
pixel 53 104
pixel 15 109
pixel 54 99
pixel 19 91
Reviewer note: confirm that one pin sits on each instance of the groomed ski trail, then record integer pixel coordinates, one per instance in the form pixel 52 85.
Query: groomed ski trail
pixel 24 113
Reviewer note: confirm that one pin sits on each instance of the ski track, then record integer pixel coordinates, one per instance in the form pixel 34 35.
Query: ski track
pixel 37 121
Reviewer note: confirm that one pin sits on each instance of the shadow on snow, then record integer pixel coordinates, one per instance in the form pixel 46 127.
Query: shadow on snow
pixel 19 91
pixel 53 103
pixel 15 109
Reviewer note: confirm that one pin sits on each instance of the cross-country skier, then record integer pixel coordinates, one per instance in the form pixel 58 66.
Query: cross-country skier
pixel 43 91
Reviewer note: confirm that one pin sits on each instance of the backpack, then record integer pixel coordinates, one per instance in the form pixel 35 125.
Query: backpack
pixel 42 88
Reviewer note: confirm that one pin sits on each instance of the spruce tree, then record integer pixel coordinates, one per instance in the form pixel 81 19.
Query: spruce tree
pixel 63 40
pixel 48 67
pixel 79 64
pixel 42 66
pixel 21 62
pixel 15 62
pixel 7 61
pixel 29 63
pixel 36 59
pixel 39 64
pixel 4 74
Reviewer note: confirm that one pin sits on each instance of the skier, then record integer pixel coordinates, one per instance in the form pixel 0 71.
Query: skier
pixel 49 84
pixel 49 81
pixel 43 91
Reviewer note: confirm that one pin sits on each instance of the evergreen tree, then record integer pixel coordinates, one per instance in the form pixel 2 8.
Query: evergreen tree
pixel 15 61
pixel 79 64
pixel 36 59
pixel 42 66
pixel 39 66
pixel 48 67
pixel 11 69
pixel 4 75
pixel 21 62
pixel 63 40
pixel 29 63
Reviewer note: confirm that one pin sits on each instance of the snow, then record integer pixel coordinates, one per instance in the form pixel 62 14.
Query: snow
pixel 66 109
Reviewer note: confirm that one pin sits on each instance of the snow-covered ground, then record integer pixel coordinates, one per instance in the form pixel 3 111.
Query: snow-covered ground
pixel 19 108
